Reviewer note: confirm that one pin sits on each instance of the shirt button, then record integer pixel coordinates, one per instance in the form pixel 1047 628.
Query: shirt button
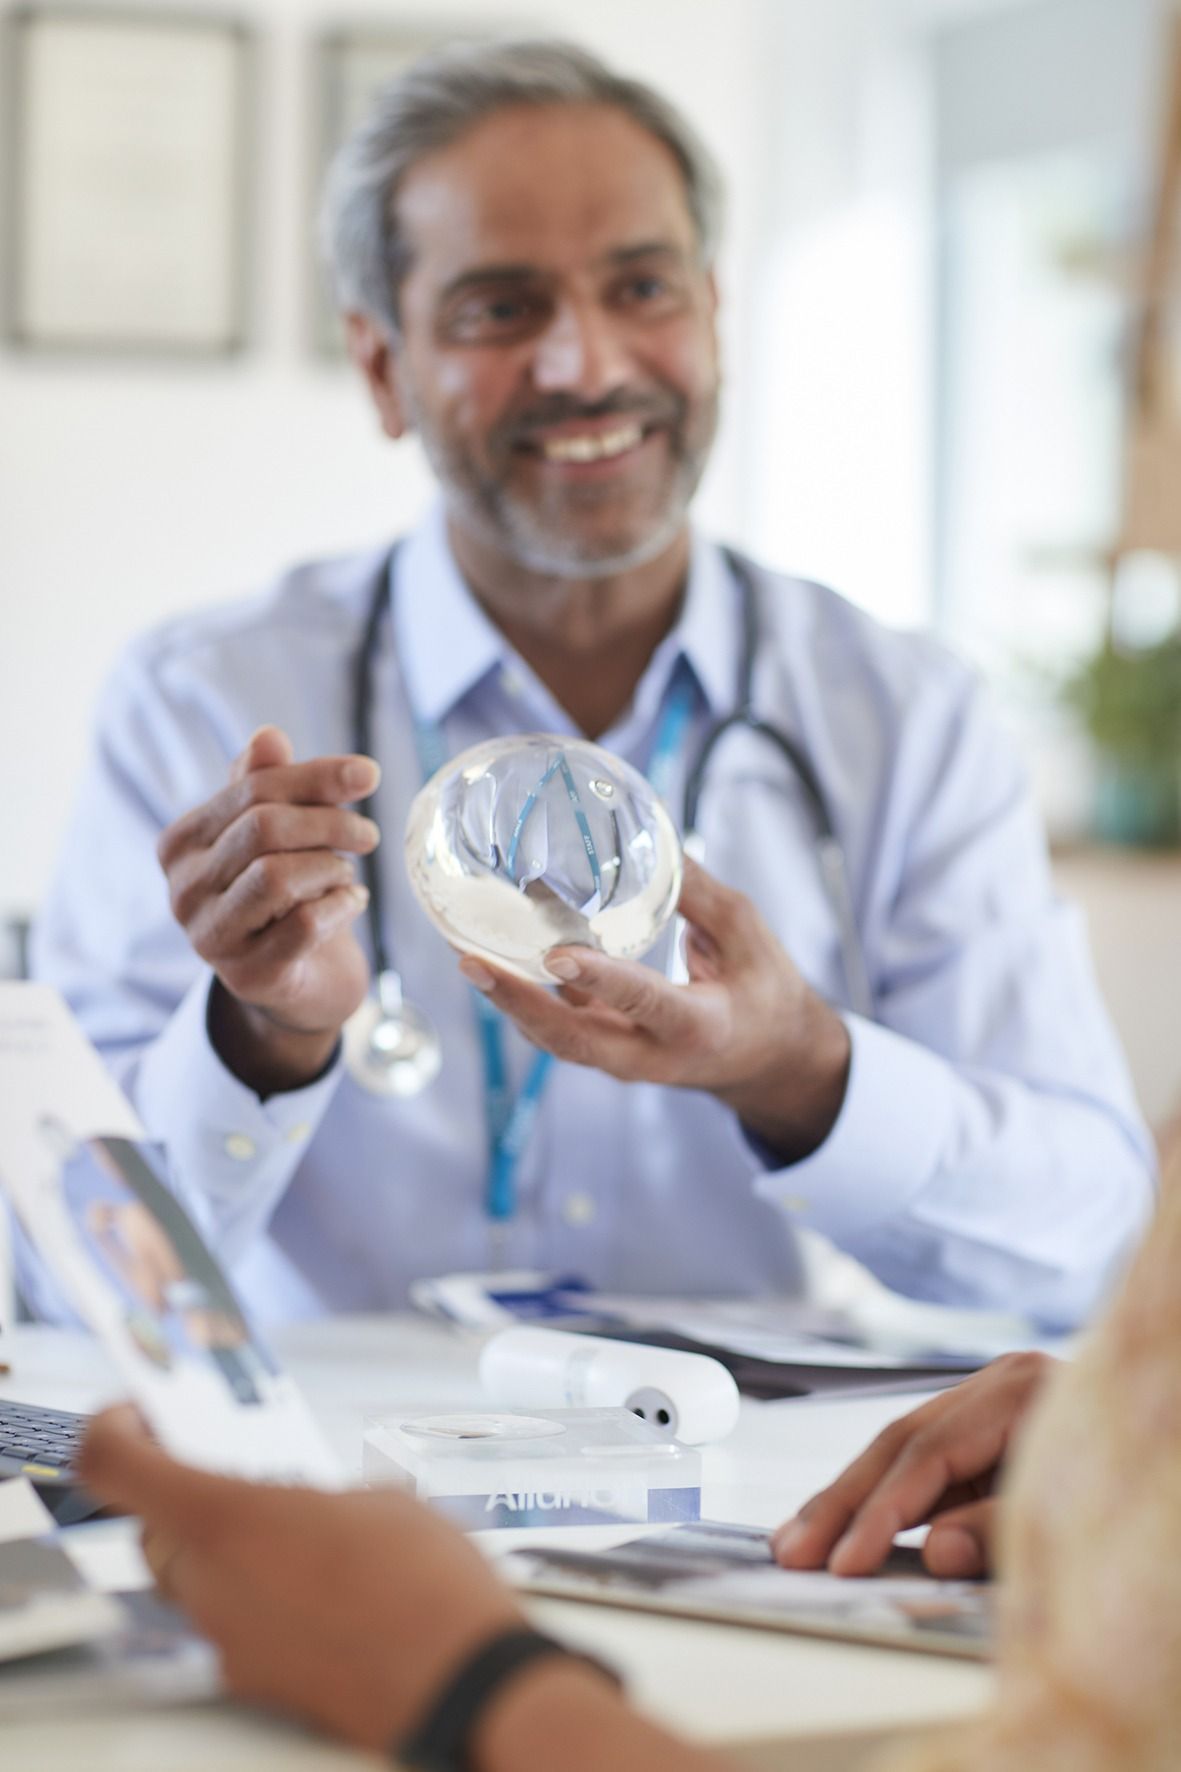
pixel 239 1146
pixel 795 1203
pixel 297 1133
pixel 579 1209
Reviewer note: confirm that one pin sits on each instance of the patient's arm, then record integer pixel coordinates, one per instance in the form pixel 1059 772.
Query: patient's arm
pixel 1090 1547
pixel 354 1611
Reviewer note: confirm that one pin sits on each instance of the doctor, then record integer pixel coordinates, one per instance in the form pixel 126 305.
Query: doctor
pixel 522 244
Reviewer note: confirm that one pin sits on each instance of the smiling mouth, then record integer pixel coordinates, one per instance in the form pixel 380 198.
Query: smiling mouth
pixel 591 445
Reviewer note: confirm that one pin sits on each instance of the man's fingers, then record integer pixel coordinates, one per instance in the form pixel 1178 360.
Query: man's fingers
pixel 727 919
pixel 123 1467
pixel 635 992
pixel 264 893
pixel 702 959
pixel 905 1497
pixel 323 781
pixel 266 748
pixel 960 1542
pixel 278 828
pixel 588 1036
pixel 953 1449
pixel 297 934
pixel 806 1541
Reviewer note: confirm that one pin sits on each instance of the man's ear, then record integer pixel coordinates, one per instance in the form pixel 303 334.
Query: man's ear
pixel 375 354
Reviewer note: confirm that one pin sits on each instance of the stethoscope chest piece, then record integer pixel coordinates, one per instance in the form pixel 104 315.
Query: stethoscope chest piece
pixel 390 1047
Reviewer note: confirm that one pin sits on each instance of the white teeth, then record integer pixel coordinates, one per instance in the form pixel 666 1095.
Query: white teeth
pixel 593 447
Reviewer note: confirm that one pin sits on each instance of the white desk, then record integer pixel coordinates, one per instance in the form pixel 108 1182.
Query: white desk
pixel 756 1691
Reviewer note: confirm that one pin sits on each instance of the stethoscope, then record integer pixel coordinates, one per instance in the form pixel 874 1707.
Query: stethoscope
pixel 391 1046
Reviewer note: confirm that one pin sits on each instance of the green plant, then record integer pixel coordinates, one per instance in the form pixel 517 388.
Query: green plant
pixel 1130 703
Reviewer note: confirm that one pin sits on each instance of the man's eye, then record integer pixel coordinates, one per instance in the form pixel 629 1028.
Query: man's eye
pixel 495 315
pixel 647 289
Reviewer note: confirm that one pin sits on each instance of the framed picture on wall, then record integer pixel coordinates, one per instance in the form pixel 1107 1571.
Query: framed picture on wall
pixel 127 198
pixel 352 65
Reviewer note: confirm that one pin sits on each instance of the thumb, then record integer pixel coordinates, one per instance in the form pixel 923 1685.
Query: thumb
pixel 123 1466
pixel 268 748
pixel 960 1542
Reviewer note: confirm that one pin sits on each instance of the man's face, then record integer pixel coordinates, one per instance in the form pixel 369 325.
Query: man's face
pixel 557 351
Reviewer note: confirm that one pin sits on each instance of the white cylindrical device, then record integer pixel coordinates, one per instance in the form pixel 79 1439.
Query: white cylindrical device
pixel 691 1397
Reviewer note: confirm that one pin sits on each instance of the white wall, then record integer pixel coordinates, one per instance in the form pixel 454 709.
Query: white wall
pixel 129 491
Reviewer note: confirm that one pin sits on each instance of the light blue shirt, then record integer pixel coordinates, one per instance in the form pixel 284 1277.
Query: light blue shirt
pixel 988 1151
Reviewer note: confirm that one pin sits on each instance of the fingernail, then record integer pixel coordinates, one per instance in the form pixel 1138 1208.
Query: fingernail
pixel 360 895
pixel 562 966
pixel 477 975
pixel 840 1550
pixel 372 830
pixel 361 774
pixel 788 1537
pixel 952 1551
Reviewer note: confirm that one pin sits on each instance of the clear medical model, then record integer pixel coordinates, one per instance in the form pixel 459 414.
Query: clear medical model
pixel 525 843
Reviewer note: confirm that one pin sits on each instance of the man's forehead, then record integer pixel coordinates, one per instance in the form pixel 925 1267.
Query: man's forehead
pixel 535 185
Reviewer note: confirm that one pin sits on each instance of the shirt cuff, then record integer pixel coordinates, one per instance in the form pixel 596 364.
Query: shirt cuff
pixel 222 1141
pixel 887 1143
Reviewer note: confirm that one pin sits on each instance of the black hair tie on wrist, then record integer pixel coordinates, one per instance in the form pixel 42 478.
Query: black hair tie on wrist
pixel 442 1739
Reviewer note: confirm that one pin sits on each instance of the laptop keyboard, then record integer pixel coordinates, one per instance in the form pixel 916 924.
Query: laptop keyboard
pixel 47 1439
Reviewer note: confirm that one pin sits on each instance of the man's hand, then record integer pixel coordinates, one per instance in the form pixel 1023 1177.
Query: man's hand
pixel 939 1463
pixel 746 1028
pixel 261 883
pixel 349 1610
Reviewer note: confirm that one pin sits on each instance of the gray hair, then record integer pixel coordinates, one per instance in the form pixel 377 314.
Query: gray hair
pixel 433 103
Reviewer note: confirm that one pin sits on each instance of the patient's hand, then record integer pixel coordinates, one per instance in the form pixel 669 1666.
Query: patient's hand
pixel 939 1464
pixel 1089 1646
pixel 351 1610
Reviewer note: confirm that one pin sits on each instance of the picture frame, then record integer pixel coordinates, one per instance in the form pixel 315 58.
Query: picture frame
pixel 351 64
pixel 127 201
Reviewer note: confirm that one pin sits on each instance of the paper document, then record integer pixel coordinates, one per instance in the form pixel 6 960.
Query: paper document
pixel 91 1196
pixel 775 1347
pixel 22 1512
pixel 727 1574
pixel 151 1657
pixel 44 1602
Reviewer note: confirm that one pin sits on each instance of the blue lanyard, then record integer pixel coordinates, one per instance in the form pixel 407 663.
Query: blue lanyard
pixel 509 1123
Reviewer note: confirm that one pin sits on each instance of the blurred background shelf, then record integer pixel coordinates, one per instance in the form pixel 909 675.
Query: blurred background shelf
pixel 1132 902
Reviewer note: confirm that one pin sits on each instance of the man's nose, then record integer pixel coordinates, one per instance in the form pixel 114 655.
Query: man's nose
pixel 580 351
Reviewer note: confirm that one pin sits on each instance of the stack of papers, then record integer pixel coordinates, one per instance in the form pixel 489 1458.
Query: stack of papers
pixel 44 1601
pixel 873 1341
pixel 726 1573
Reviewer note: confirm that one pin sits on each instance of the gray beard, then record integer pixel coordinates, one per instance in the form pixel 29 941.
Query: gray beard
pixel 494 520
pixel 549 556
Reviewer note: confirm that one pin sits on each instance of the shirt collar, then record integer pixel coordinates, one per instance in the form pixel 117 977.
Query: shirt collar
pixel 446 643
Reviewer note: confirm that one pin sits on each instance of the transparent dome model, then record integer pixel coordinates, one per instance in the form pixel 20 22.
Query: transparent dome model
pixel 521 844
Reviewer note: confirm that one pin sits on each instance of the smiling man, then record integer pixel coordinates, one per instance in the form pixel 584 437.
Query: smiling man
pixel 908 1054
